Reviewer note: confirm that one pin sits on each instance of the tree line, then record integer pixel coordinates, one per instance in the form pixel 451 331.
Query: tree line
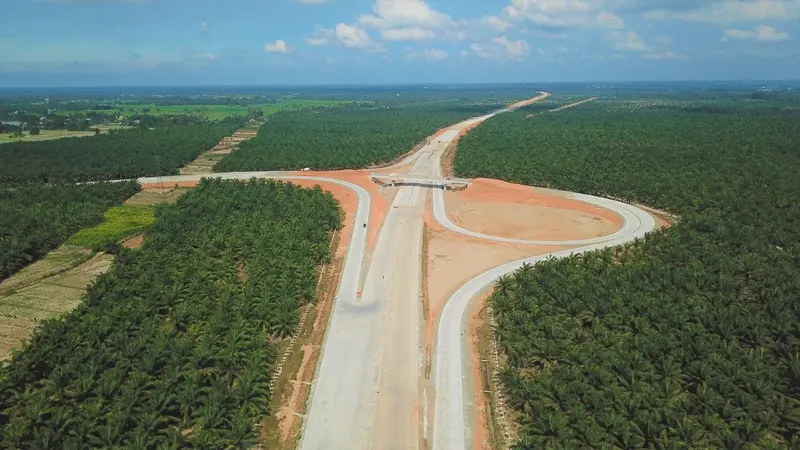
pixel 118 155
pixel 341 138
pixel 174 346
pixel 688 338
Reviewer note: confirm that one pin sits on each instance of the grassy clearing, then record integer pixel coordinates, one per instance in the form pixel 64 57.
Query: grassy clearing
pixel 118 222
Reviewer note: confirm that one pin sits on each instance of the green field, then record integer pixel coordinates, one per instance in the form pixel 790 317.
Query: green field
pixel 209 111
pixel 118 222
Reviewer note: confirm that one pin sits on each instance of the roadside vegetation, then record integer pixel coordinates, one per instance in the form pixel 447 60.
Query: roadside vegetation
pixel 35 219
pixel 175 345
pixel 689 338
pixel 342 138
pixel 118 155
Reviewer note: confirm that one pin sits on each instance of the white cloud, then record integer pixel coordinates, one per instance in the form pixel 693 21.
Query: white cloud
pixel 501 48
pixel 407 34
pixel 344 35
pixel 403 13
pixel 430 54
pixel 563 13
pixel 763 33
pixel 730 11
pixel 352 36
pixel 278 46
pixel 411 20
pixel 630 41
pixel 497 23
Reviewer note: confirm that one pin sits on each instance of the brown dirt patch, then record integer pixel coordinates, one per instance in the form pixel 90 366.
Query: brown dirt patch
pixel 528 214
pixel 156 196
pixel 523 212
pixel 134 242
pixel 168 185
pixel 454 259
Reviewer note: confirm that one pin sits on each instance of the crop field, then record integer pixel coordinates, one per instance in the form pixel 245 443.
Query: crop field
pixel 120 155
pixel 118 222
pixel 688 338
pixel 176 343
pixel 342 138
pixel 35 219
pixel 211 112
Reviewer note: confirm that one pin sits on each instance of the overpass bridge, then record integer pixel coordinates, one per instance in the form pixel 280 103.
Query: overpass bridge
pixel 394 179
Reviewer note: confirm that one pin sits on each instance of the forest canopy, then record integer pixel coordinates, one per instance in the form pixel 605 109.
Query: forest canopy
pixel 342 138
pixel 689 338
pixel 118 155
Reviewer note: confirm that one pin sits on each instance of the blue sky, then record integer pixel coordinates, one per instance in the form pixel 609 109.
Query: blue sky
pixel 189 42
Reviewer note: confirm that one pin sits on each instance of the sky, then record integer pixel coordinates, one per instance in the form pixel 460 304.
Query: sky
pixel 325 42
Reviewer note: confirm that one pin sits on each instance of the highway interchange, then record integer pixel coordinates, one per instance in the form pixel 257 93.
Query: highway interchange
pixel 370 390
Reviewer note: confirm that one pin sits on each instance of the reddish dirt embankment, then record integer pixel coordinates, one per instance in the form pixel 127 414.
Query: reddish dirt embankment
pixel 502 209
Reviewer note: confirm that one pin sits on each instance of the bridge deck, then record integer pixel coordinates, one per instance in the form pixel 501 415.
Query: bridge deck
pixel 395 179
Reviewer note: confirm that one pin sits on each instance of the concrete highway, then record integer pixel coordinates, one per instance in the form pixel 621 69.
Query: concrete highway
pixel 368 391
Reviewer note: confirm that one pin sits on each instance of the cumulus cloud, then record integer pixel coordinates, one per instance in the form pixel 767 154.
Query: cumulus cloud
pixel 352 36
pixel 429 54
pixel 410 20
pixel 344 35
pixel 278 46
pixel 501 48
pixel 763 33
pixel 563 13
